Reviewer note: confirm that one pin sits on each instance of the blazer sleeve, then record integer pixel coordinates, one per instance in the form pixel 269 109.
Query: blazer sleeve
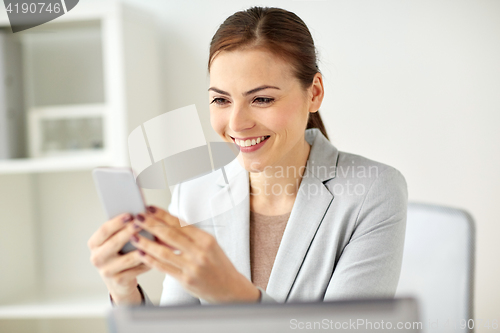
pixel 370 263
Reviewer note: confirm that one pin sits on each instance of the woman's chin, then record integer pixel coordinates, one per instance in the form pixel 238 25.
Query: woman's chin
pixel 251 165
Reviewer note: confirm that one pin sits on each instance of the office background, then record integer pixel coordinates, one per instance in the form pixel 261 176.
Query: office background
pixel 414 84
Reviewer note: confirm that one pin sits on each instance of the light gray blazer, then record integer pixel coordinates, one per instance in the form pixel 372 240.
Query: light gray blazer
pixel 344 238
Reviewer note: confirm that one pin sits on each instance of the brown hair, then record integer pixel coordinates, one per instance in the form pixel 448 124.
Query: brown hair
pixel 279 31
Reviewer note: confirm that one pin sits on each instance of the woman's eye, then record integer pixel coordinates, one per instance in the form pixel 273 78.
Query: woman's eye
pixel 219 101
pixel 263 100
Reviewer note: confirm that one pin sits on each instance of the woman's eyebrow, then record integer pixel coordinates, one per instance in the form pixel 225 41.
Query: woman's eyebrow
pixel 253 91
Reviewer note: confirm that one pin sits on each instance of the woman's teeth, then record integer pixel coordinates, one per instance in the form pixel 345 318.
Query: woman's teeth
pixel 248 143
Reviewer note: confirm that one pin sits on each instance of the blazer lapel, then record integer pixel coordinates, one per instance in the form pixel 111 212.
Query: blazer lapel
pixel 311 204
pixel 306 216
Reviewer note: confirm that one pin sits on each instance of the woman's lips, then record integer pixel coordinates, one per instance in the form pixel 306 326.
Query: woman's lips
pixel 252 148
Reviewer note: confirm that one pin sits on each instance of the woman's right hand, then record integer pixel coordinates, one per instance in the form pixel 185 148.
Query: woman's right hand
pixel 119 271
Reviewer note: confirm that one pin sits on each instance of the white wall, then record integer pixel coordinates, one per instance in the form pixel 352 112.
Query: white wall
pixel 414 84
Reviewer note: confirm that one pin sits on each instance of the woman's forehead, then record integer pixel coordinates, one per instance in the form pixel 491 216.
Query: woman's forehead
pixel 243 68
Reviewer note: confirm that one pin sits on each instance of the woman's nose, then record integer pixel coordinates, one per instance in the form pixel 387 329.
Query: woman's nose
pixel 240 119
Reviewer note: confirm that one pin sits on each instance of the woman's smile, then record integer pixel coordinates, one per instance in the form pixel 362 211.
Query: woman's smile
pixel 250 144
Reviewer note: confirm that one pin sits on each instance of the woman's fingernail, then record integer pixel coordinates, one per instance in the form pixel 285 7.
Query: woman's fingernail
pixel 140 217
pixel 151 209
pixel 137 227
pixel 127 218
pixel 134 238
pixel 141 252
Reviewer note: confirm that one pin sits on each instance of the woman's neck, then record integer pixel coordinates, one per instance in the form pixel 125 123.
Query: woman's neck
pixel 273 191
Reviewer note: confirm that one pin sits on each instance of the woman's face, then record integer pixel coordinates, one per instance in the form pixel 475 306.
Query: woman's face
pixel 254 96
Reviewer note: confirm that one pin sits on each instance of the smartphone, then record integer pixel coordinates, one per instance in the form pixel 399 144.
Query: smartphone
pixel 120 194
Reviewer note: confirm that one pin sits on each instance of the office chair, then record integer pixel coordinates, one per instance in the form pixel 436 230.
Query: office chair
pixel 438 266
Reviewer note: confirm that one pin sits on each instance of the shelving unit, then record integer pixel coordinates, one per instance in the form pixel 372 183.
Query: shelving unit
pixel 99 61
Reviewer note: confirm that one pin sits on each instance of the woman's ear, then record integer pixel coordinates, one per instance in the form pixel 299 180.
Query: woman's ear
pixel 316 93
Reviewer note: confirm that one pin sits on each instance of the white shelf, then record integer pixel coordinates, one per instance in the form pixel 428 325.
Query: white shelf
pixel 82 161
pixel 70 111
pixel 61 306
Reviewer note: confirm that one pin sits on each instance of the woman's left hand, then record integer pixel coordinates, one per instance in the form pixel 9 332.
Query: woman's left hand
pixel 193 257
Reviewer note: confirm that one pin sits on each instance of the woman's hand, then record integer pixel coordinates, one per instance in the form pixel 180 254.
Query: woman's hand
pixel 193 257
pixel 118 271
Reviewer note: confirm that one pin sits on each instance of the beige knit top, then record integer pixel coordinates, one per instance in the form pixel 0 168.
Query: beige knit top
pixel 265 238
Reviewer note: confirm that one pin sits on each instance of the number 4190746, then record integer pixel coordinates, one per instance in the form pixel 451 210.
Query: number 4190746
pixel 33 8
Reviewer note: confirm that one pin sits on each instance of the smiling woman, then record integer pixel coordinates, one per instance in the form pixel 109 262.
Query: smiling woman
pixel 297 226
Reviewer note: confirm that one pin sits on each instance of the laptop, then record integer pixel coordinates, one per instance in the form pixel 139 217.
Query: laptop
pixel 374 315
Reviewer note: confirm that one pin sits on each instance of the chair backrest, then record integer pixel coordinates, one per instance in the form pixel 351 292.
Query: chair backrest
pixel 438 266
